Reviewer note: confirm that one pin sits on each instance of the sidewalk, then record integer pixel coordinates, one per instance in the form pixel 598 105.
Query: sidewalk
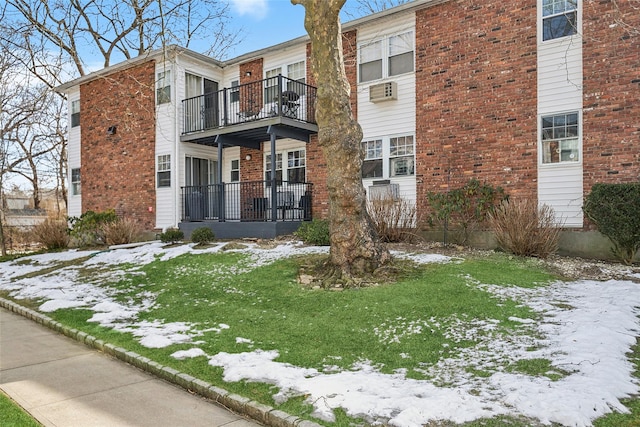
pixel 64 383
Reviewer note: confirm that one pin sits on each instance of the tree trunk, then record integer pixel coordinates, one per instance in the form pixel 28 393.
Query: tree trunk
pixel 356 250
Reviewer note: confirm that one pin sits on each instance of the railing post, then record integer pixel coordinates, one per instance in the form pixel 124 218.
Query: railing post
pixel 279 95
pixel 225 113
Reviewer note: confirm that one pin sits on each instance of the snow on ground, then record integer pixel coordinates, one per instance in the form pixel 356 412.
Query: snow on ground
pixel 586 329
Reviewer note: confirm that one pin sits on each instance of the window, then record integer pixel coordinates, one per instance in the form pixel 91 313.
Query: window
pixel 297 74
pixel 164 171
pixel 388 57
pixel 372 165
pixel 388 157
pixel 75 182
pixel 559 18
pixel 271 85
pixel 163 87
pixel 267 168
pixel 235 170
pixel 560 138
pixel 296 169
pixel 401 156
pixel 234 95
pixel 401 54
pixel 75 113
pixel 371 61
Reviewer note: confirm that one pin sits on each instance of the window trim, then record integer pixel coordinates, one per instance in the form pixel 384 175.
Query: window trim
pixel 384 55
pixel 163 93
pixel 75 113
pixel 282 165
pixel 576 11
pixel 76 181
pixel 387 159
pixel 578 138
pixel 163 166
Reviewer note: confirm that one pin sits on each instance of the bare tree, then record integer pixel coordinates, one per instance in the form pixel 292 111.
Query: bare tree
pixel 356 250
pixel 114 30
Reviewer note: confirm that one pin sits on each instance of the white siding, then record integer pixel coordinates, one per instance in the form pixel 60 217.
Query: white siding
pixel 392 117
pixel 74 203
pixel 560 90
pixel 561 188
pixel 166 212
pixel 560 76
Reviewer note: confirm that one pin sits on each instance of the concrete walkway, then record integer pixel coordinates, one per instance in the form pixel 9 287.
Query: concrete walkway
pixel 64 383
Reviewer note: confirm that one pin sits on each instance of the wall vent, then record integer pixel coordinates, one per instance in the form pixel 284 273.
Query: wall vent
pixel 384 191
pixel 383 92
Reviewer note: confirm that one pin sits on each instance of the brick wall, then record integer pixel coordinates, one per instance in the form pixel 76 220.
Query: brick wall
pixel 118 171
pixel 611 114
pixel 476 96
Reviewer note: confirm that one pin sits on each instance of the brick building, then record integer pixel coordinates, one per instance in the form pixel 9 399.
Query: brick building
pixel 539 97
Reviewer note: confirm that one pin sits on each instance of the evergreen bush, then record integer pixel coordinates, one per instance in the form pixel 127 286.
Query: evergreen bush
pixel 466 207
pixel 89 228
pixel 315 232
pixel 615 210
pixel 202 236
pixel 172 235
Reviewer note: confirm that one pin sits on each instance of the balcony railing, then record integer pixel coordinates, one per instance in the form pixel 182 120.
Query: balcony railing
pixel 273 97
pixel 248 201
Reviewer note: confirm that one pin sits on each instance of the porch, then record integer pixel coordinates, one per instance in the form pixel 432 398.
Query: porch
pixel 247 116
pixel 264 209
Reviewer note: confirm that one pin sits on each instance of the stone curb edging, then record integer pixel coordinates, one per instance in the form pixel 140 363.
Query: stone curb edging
pixel 241 405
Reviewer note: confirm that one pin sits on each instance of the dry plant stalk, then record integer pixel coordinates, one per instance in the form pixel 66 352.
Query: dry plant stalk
pixel 394 218
pixel 524 229
pixel 120 232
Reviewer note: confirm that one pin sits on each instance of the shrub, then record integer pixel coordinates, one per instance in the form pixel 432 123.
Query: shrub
pixel 315 232
pixel 52 234
pixel 467 207
pixel 120 232
pixel 202 236
pixel 615 210
pixel 172 235
pixel 524 229
pixel 88 229
pixel 394 219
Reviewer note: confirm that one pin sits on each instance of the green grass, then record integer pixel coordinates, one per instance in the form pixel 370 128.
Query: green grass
pixel 315 328
pixel 12 415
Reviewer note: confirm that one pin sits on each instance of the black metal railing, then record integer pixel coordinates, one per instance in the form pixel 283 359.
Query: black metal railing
pixel 273 97
pixel 248 201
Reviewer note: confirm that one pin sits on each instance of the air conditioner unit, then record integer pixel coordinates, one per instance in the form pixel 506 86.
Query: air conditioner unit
pixel 383 92
pixel 384 191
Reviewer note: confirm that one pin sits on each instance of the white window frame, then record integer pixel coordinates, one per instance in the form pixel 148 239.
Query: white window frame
pixel 403 157
pixel 76 181
pixel 163 171
pixel 75 113
pixel 554 146
pixel 383 50
pixel 163 87
pixel 552 10
pixel 406 154
pixel 234 170
pixel 286 160
pixel 373 153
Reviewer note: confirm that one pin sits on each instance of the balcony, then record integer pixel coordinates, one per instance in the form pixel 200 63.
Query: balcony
pixel 247 209
pixel 242 115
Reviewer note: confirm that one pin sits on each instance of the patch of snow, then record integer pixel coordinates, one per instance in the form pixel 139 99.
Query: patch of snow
pixel 188 354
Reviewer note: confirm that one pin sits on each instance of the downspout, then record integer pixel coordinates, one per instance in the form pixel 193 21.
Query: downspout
pixel 176 145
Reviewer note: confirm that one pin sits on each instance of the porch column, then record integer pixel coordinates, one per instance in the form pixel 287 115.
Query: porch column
pixel 222 208
pixel 274 190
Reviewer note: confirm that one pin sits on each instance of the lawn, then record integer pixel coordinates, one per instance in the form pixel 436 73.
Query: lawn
pixel 12 415
pixel 486 340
